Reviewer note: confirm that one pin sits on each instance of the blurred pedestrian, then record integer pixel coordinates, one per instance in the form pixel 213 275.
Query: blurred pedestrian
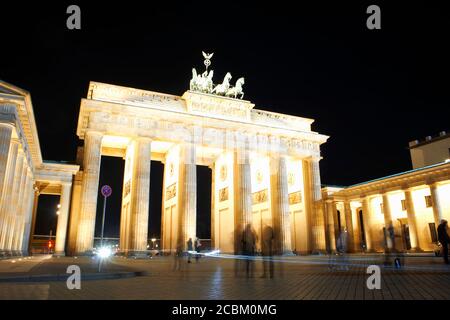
pixel 177 257
pixel 267 251
pixel 198 245
pixel 248 248
pixel 342 246
pixel 444 239
pixel 189 249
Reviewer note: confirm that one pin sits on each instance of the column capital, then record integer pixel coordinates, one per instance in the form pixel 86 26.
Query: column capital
pixel 93 133
pixel 8 114
pixel 312 159
pixel 142 139
pixel 7 124
pixel 433 184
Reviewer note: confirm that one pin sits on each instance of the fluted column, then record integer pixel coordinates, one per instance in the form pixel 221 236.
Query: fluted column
pixel 242 195
pixel 213 204
pixel 188 193
pixel 331 211
pixel 12 211
pixel 349 224
pixel 437 210
pixel 5 141
pixel 34 205
pixel 7 195
pixel 280 203
pixel 367 223
pixel 413 236
pixel 63 219
pixel 21 204
pixel 140 195
pixel 314 195
pixel 388 221
pixel 28 213
pixel 91 172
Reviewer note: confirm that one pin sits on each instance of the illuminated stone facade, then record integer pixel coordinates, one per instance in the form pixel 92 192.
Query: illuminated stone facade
pixel 413 203
pixel 264 169
pixel 24 175
pixel 265 173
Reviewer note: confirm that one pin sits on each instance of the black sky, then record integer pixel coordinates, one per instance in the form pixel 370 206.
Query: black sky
pixel 372 91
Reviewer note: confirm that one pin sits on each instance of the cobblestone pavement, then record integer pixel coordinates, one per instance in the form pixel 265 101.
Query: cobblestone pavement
pixel 225 277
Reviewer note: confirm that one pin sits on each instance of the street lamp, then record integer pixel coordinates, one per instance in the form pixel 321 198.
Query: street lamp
pixel 153 243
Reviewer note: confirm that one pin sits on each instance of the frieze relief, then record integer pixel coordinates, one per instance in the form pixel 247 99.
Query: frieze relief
pixel 171 191
pixel 295 197
pixel 223 194
pixel 211 137
pixel 260 196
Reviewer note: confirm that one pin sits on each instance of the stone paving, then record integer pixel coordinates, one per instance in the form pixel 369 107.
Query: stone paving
pixel 224 277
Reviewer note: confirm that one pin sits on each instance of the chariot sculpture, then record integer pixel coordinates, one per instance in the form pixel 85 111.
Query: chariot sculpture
pixel 204 82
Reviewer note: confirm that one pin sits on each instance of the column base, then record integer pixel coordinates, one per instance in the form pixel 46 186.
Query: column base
pixel 319 252
pixel 415 250
pixel 4 254
pixel 89 253
pixel 288 254
pixel 138 254
pixel 59 254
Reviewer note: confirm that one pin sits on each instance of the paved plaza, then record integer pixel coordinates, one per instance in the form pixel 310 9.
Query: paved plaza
pixel 224 277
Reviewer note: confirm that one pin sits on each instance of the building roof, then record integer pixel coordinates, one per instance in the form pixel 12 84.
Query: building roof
pixel 429 139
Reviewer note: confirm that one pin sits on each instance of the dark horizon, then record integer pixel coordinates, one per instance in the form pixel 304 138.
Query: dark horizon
pixel 371 91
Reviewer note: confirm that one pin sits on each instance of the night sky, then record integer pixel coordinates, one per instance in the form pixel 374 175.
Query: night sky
pixel 372 91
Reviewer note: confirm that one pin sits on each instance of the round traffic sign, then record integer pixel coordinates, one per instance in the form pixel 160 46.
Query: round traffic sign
pixel 106 191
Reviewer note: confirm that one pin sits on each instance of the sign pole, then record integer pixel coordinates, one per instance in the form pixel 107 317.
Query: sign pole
pixel 106 192
pixel 103 221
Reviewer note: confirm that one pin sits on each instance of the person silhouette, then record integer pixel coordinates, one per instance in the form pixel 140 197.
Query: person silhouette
pixel 267 251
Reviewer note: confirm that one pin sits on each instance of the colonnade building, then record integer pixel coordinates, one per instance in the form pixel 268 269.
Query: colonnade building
pixel 265 172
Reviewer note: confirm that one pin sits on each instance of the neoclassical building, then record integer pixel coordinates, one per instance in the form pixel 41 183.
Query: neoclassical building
pixel 265 169
pixel 24 175
pixel 412 202
pixel 265 173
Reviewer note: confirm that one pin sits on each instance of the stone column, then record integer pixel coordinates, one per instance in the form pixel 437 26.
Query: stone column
pixel 188 194
pixel 331 211
pixel 437 210
pixel 213 203
pixel 349 225
pixel 413 236
pixel 28 213
pixel 5 141
pixel 91 172
pixel 34 206
pixel 74 215
pixel 367 222
pixel 20 215
pixel 7 195
pixel 280 204
pixel 388 221
pixel 242 196
pixel 314 195
pixel 140 196
pixel 12 211
pixel 63 218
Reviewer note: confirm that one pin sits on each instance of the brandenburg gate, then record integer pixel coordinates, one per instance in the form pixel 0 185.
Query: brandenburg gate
pixel 265 168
